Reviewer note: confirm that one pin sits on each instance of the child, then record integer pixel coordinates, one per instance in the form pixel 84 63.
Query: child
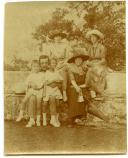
pixel 34 84
pixel 53 94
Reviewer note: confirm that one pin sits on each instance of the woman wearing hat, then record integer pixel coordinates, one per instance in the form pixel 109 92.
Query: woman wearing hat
pixel 78 95
pixel 97 51
pixel 76 79
pixel 59 50
pixel 58 47
pixel 97 62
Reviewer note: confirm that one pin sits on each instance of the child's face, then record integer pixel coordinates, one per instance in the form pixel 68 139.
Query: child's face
pixel 35 67
pixel 53 64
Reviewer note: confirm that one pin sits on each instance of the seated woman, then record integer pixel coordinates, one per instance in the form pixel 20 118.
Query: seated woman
pixel 77 108
pixel 97 62
pixel 79 99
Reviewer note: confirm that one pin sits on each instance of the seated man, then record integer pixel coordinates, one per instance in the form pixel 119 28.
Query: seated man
pixel 44 65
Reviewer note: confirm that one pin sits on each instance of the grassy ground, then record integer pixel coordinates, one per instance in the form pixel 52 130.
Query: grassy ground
pixel 50 140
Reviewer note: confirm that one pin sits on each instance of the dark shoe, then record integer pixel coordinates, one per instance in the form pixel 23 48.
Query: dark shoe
pixel 70 125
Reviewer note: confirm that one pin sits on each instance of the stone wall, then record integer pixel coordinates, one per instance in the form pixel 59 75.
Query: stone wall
pixel 114 104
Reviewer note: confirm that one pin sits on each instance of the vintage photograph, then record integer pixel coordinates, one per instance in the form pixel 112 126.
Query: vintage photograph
pixel 65 77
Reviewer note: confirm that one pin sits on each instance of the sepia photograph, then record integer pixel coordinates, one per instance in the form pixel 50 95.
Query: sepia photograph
pixel 65 78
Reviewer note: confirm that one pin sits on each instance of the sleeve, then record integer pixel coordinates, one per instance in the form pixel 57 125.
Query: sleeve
pixel 28 82
pixel 103 51
pixel 89 51
pixel 59 76
pixel 64 75
pixel 71 75
pixel 87 79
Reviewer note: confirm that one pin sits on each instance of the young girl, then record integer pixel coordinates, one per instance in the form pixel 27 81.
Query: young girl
pixel 34 84
pixel 53 93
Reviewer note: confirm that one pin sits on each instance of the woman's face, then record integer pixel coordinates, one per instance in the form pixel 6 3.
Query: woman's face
pixel 57 39
pixel 78 61
pixel 94 39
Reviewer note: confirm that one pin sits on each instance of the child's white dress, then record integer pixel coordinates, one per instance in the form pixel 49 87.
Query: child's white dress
pixel 50 91
pixel 35 79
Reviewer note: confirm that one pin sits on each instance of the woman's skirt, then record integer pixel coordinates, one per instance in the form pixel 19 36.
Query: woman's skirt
pixel 75 108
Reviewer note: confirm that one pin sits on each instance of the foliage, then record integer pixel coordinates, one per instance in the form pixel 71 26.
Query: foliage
pixel 57 22
pixel 79 17
pixel 18 64
pixel 109 18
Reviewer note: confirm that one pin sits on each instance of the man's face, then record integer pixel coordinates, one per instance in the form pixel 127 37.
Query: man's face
pixel 44 64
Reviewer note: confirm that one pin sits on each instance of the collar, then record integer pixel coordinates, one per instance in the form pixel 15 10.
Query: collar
pixel 95 45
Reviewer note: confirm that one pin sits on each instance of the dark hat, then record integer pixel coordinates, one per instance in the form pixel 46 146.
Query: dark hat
pixel 78 53
pixel 57 33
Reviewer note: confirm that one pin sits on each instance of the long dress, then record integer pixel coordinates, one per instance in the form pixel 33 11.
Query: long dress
pixel 96 75
pixel 75 108
pixel 97 52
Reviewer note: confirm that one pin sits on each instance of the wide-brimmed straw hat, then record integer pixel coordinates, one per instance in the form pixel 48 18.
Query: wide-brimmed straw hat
pixel 57 33
pixel 94 32
pixel 78 53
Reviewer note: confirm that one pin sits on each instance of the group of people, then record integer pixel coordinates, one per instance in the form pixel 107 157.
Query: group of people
pixel 77 79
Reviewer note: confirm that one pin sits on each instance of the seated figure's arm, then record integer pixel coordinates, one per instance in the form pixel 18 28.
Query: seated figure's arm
pixel 73 82
pixel 28 83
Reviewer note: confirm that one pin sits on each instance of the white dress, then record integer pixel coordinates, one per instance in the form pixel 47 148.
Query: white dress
pixel 50 91
pixel 35 79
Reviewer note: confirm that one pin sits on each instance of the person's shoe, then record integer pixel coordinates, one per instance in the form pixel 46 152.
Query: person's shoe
pixel 30 124
pixel 44 123
pixel 70 125
pixel 44 119
pixel 8 117
pixel 57 121
pixel 38 124
pixel 54 123
pixel 79 122
pixel 109 70
pixel 20 117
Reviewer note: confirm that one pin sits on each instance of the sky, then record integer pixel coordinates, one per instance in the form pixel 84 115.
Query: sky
pixel 21 19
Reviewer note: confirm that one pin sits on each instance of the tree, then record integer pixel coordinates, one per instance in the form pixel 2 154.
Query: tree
pixel 79 17
pixel 18 64
pixel 57 22
pixel 109 18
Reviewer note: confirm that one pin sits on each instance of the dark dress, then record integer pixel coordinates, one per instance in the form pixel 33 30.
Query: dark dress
pixel 75 108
